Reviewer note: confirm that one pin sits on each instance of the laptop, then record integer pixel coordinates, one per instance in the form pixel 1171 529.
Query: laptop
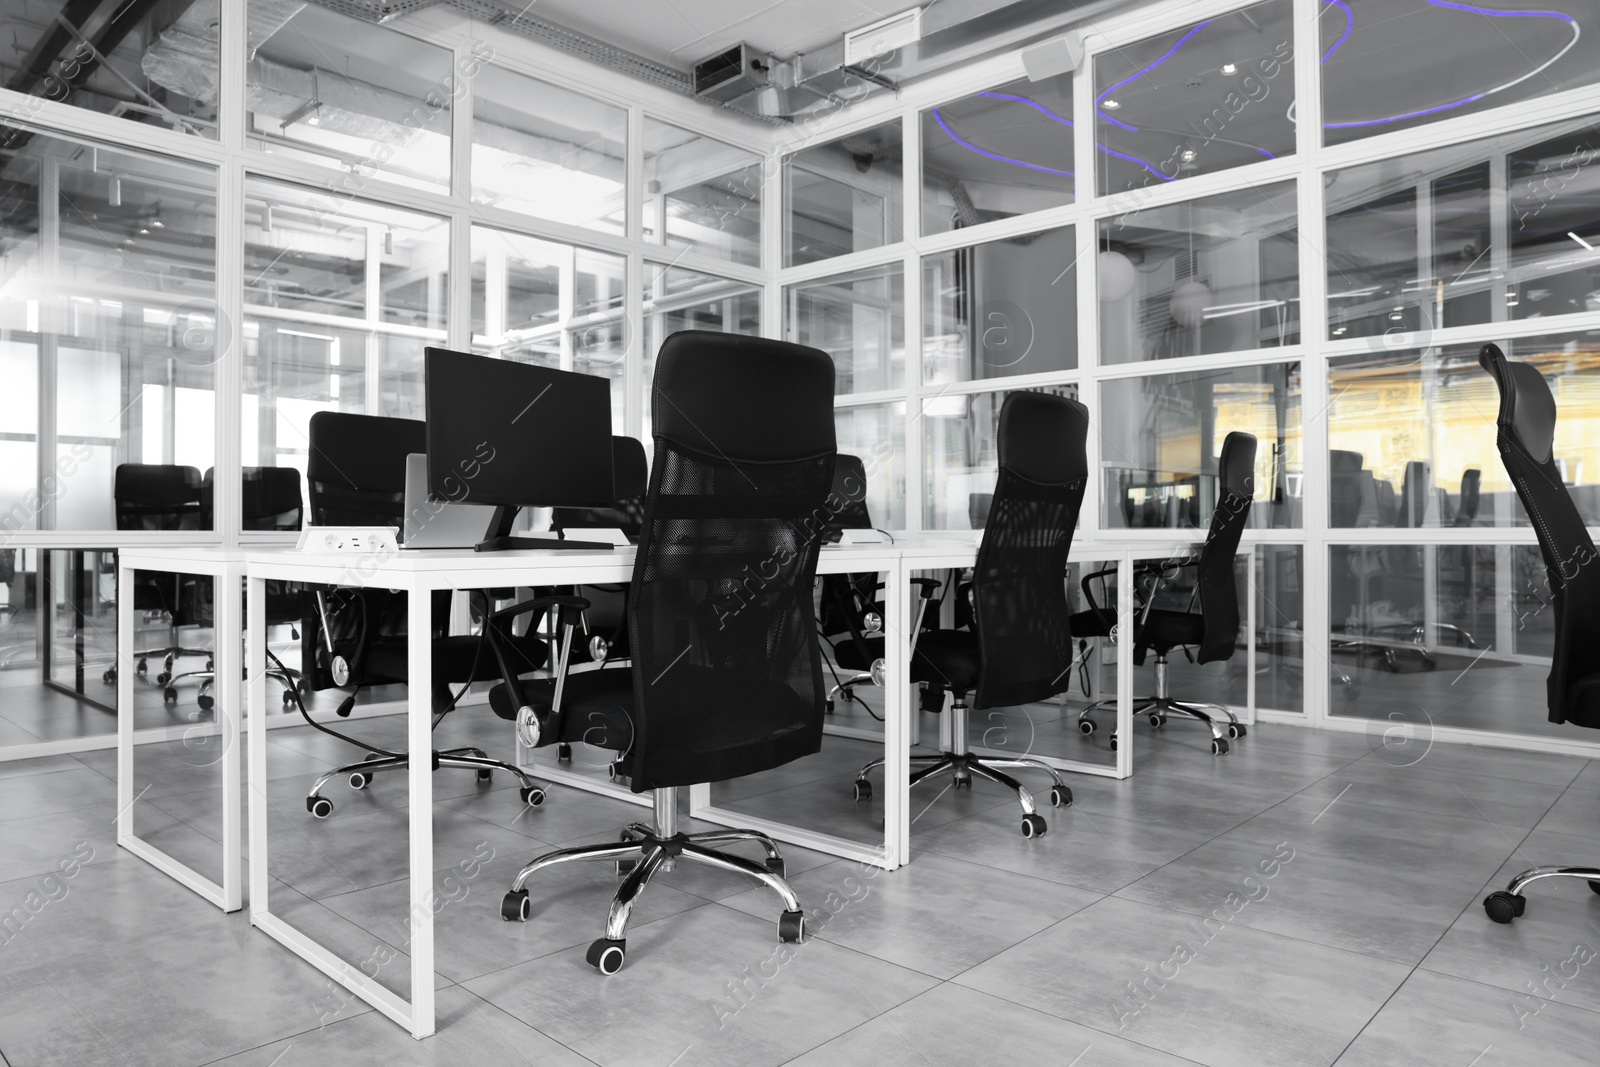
pixel 439 524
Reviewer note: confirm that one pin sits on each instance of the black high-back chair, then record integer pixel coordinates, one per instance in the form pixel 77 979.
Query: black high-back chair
pixel 356 637
pixel 727 677
pixel 851 616
pixel 1020 648
pixel 1209 624
pixel 165 497
pixel 1413 510
pixel 1466 512
pixel 1526 439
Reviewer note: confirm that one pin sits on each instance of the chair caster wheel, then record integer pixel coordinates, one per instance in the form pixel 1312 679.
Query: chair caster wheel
pixel 1157 720
pixel 1237 729
pixel 206 703
pixel 142 669
pixel 961 783
pixel 360 779
pixel 321 807
pixel 531 795
pixel 1086 726
pixel 1502 907
pixel 110 676
pixel 827 707
pixel 288 698
pixel 164 677
pixel 607 956
pixel 1112 741
pixel 1060 796
pixel 775 866
pixel 564 752
pixel 791 926
pixel 863 789
pixel 169 695
pixel 1033 826
pixel 484 775
pixel 1219 747
pixel 612 772
pixel 515 907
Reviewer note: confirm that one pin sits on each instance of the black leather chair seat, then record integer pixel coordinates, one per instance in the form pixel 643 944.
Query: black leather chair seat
pixel 1166 630
pixel 848 655
pixel 948 658
pixel 453 658
pixel 1091 624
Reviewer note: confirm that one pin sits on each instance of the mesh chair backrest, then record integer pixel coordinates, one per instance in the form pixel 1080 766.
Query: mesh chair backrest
pixel 1019 579
pixel 844 595
pixel 357 467
pixel 1467 506
pixel 269 498
pixel 1219 596
pixel 1526 438
pixel 847 501
pixel 157 496
pixel 1414 495
pixel 1344 487
pixel 630 476
pixel 727 672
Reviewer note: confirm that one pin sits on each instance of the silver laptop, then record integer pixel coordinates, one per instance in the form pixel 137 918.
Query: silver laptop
pixel 436 524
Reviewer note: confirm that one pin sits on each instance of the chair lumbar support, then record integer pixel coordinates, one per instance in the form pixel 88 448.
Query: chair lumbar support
pixel 646 850
pixel 1161 705
pixel 962 765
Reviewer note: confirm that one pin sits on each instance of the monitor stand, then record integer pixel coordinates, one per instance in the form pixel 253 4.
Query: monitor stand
pixel 501 540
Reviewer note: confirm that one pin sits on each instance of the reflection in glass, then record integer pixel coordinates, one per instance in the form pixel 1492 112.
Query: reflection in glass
pixel 547 151
pixel 345 93
pixel 1206 97
pixel 108 322
pixel 994 154
pixel 844 196
pixel 1412 434
pixel 1000 309
pixel 877 434
pixel 677 298
pixel 708 193
pixel 1219 274
pixel 1392 65
pixel 1161 436
pixel 1279 589
pixel 858 319
pixel 552 304
pixel 958 434
pixel 150 63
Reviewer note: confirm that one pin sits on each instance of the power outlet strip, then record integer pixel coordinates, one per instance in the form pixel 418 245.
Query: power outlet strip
pixel 348 540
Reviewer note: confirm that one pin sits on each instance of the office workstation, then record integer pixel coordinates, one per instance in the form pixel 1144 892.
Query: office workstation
pixel 799 533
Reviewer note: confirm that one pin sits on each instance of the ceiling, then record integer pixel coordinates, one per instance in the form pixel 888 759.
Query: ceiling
pixel 680 33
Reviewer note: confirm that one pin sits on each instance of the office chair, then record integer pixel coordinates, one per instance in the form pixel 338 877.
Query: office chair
pixel 1213 629
pixel 1466 511
pixel 269 500
pixel 356 638
pixel 1527 425
pixel 851 619
pixel 727 674
pixel 1020 647
pixel 166 497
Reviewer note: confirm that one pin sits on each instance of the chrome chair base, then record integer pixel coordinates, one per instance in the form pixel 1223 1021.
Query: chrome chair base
pixel 1220 720
pixel 642 853
pixel 361 775
pixel 1509 903
pixel 847 689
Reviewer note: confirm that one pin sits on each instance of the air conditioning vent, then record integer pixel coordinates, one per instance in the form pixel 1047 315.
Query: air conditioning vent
pixel 883 37
pixel 731 74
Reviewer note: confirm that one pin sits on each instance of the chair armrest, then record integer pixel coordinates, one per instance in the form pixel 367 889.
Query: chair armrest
pixel 543 603
pixel 926 586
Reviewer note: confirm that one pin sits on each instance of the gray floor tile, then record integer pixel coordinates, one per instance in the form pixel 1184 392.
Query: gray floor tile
pixel 1506 802
pixel 26 796
pixel 1576 812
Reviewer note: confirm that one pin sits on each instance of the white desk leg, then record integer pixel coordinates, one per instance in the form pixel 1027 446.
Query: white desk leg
pixel 896 715
pixel 419 687
pixel 125 639
pixel 256 684
pixel 228 669
pixel 1251 622
pixel 1125 665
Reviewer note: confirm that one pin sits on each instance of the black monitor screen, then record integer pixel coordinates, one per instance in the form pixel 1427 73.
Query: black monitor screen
pixel 516 435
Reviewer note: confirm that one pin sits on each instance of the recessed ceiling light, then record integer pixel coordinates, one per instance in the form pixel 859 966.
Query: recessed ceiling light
pixel 1230 68
pixel 158 224
pixel 1110 105
pixel 1187 155
pixel 143 232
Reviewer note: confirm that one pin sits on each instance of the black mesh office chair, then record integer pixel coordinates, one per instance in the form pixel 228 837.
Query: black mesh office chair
pixel 1020 648
pixel 165 497
pixel 851 616
pixel 356 638
pixel 1211 622
pixel 727 676
pixel 1527 426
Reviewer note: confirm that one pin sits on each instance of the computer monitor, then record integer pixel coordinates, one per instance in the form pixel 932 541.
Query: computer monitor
pixel 514 435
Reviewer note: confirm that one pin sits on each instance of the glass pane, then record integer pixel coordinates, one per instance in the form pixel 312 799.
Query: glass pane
pixel 546 151
pixel 348 94
pixel 958 436
pixel 1279 589
pixel 1473 653
pixel 844 196
pixel 1201 98
pixel 150 63
pixel 1412 434
pixel 110 323
pixel 991 155
pixel 701 195
pixel 1396 64
pixel 1495 229
pixel 1000 309
pixel 858 319
pixel 877 434
pixel 552 304
pixel 676 299
pixel 1161 436
pixel 1219 274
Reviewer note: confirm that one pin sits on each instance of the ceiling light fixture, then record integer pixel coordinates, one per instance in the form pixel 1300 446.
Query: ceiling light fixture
pixel 1187 155
pixel 1110 105
pixel 1587 246
pixel 1230 68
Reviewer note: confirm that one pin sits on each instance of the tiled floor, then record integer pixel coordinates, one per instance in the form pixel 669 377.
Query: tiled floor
pixel 1306 900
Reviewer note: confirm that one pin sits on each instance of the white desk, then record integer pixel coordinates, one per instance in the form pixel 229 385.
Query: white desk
pixel 226 568
pixel 419 574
